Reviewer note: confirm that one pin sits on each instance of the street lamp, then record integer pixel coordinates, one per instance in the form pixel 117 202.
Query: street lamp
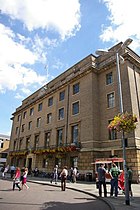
pixel 101 52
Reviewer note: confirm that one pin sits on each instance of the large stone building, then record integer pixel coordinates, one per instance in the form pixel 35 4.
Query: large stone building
pixel 65 122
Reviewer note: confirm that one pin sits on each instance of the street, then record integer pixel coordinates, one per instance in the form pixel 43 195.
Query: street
pixel 42 197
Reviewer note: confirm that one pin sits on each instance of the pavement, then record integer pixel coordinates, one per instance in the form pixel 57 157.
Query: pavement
pixel 90 189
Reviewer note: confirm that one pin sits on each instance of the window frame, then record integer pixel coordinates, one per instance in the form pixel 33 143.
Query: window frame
pixel 61 115
pixel 109 78
pixel 50 101
pixel 111 100
pixel 76 88
pixel 62 95
pixel 77 108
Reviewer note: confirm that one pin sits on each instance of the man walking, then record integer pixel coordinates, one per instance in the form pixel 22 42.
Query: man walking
pixel 102 180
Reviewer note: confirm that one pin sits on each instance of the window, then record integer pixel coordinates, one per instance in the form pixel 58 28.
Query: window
pixel 75 108
pixel 49 118
pixel 1 145
pixel 31 111
pixel 112 133
pixel 23 128
pixel 61 114
pixel 110 100
pixel 28 143
pixel 24 115
pixel 59 137
pixel 44 163
pixel 40 107
pixel 14 146
pixel 76 88
pixel 20 143
pixel 38 122
pixel 30 125
pixel 109 78
pixel 62 96
pixel 3 155
pixel 47 139
pixel 75 134
pixel 50 101
pixel 36 144
pixel 18 118
pixel 17 130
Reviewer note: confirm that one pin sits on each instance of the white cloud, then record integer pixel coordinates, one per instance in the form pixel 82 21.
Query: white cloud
pixel 123 16
pixel 14 56
pixel 63 16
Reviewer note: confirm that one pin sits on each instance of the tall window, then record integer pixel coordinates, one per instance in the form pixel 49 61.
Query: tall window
pixel 111 100
pixel 76 88
pixel 20 143
pixel 109 78
pixel 18 118
pixel 75 108
pixel 17 130
pixel 40 107
pixel 61 114
pixel 24 115
pixel 38 123
pixel 61 96
pixel 50 101
pixel 30 125
pixel 112 133
pixel 28 143
pixel 49 118
pixel 14 146
pixel 36 143
pixel 47 139
pixel 59 137
pixel 75 134
pixel 31 111
pixel 23 127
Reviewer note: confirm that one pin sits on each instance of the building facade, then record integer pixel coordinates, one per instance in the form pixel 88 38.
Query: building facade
pixel 4 149
pixel 65 122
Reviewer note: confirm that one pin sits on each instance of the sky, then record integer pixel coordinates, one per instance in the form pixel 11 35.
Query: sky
pixel 40 39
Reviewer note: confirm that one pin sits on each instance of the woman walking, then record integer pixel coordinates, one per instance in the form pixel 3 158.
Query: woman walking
pixel 16 180
pixel 24 178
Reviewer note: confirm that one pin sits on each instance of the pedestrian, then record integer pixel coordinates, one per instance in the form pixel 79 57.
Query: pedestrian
pixel 55 174
pixel 130 176
pixel 114 173
pixel 71 174
pixel 12 171
pixel 102 179
pixel 75 171
pixel 24 178
pixel 16 179
pixel 63 175
pixel 3 172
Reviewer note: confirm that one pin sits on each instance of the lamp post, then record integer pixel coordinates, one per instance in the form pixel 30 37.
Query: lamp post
pixel 100 52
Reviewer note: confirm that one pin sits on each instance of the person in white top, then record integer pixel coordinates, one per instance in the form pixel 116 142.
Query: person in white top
pixel 74 174
pixel 63 176
pixel 24 178
pixel 55 174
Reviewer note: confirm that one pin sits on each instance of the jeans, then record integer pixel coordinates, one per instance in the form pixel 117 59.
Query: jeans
pixel 100 188
pixel 114 185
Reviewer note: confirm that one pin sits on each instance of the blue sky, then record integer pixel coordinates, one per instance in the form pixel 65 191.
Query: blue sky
pixel 40 39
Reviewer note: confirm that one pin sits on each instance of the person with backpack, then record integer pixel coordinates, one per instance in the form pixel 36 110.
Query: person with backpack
pixel 114 173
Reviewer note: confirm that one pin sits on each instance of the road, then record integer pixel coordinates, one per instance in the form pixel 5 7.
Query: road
pixel 42 197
